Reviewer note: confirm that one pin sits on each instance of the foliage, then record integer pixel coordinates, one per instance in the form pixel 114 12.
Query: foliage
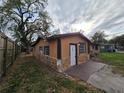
pixel 25 18
pixel 119 40
pixel 28 76
pixel 115 59
pixel 99 37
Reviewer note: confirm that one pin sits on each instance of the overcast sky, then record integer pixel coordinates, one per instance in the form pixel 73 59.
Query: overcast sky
pixel 88 15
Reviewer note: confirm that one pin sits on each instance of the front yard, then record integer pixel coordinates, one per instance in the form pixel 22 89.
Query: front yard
pixel 114 59
pixel 28 75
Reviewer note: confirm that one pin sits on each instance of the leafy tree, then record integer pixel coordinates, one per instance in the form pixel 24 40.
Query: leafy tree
pixel 119 40
pixel 99 37
pixel 25 18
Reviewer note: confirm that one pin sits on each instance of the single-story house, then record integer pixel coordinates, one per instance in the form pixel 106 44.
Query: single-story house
pixel 69 49
pixel 107 48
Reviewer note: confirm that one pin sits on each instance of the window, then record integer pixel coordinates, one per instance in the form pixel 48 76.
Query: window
pixel 46 50
pixel 41 50
pixel 82 48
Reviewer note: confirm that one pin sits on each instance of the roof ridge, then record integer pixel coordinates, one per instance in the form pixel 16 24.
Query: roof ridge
pixel 64 35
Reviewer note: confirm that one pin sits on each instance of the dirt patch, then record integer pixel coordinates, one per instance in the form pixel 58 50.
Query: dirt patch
pixel 28 75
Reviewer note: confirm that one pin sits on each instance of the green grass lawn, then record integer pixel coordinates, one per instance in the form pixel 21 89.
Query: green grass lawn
pixel 29 76
pixel 115 59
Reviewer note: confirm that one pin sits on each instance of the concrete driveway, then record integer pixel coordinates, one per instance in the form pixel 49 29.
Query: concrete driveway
pixel 99 75
pixel 108 81
pixel 85 70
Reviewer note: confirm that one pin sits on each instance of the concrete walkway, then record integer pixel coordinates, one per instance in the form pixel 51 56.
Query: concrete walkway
pixel 99 75
pixel 106 80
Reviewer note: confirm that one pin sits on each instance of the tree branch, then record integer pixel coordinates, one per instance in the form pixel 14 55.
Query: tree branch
pixel 14 12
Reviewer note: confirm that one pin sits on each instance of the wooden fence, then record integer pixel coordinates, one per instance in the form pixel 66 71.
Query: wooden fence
pixel 8 53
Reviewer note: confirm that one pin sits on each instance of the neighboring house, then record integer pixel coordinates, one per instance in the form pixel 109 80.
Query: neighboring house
pixel 107 48
pixel 97 48
pixel 119 48
pixel 69 49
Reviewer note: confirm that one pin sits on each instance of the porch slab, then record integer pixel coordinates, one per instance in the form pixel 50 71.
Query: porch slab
pixel 84 70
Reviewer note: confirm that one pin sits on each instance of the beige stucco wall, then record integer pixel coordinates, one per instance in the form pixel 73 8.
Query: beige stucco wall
pixel 42 43
pixel 81 58
pixel 65 42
